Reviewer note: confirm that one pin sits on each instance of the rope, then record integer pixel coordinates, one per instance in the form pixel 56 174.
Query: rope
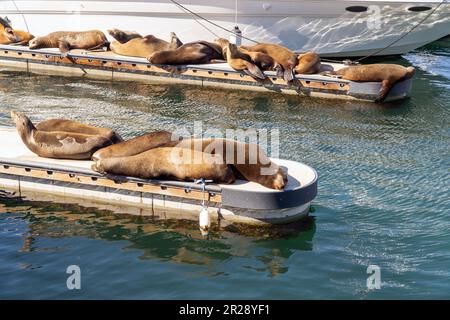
pixel 23 16
pixel 235 12
pixel 404 35
pixel 210 22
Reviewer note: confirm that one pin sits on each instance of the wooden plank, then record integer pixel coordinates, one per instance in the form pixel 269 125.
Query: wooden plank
pixel 105 182
pixel 188 73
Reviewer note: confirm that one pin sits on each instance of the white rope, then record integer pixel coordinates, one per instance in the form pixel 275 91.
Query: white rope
pixel 23 16
pixel 236 13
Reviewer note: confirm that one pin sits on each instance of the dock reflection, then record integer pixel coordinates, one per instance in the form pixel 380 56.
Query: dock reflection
pixel 170 240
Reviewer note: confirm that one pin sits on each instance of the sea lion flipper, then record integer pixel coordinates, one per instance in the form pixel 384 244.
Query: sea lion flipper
pixel 253 71
pixel 64 46
pixel 386 86
pixel 288 75
pixel 175 41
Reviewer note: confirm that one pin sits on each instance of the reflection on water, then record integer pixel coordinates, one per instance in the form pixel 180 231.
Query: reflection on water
pixel 182 241
pixel 383 197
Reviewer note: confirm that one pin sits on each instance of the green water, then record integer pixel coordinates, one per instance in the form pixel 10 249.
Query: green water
pixel 383 198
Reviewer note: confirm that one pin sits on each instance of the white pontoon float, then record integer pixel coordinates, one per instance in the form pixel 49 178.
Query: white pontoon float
pixel 25 173
pixel 109 66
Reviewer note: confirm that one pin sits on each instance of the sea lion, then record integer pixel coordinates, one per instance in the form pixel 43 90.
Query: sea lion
pixel 263 61
pixel 238 60
pixel 165 162
pixel 137 145
pixel 248 159
pixel 283 56
pixel 78 127
pixel 308 63
pixel 123 36
pixel 387 74
pixel 10 36
pixel 144 46
pixel 68 40
pixel 199 52
pixel 14 37
pixel 57 144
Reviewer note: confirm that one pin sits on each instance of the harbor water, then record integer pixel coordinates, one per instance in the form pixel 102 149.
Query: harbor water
pixel 383 197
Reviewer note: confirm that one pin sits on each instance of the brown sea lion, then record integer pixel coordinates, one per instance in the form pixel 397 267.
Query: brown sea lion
pixel 387 74
pixel 199 52
pixel 308 63
pixel 68 40
pixel 123 36
pixel 283 56
pixel 165 162
pixel 238 60
pixel 10 36
pixel 78 127
pixel 57 144
pixel 248 159
pixel 136 145
pixel 14 37
pixel 145 46
pixel 263 61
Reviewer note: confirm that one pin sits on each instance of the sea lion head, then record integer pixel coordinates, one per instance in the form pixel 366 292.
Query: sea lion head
pixel 10 35
pixel 223 44
pixel 410 72
pixel 35 43
pixel 23 124
pixel 123 36
pixel 276 181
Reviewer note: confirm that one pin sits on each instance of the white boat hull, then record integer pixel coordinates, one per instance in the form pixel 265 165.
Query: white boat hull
pixel 322 26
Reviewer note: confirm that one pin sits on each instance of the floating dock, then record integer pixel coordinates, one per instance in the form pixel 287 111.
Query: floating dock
pixel 110 66
pixel 29 175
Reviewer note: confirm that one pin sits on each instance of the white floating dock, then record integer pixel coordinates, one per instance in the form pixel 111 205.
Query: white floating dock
pixel 242 202
pixel 110 66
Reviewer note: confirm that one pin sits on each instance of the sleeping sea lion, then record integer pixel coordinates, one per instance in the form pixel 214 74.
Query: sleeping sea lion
pixel 283 56
pixel 248 159
pixel 387 74
pixel 308 63
pixel 165 162
pixel 57 144
pixel 144 46
pixel 199 52
pixel 14 37
pixel 263 61
pixel 137 145
pixel 78 127
pixel 68 40
pixel 238 60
